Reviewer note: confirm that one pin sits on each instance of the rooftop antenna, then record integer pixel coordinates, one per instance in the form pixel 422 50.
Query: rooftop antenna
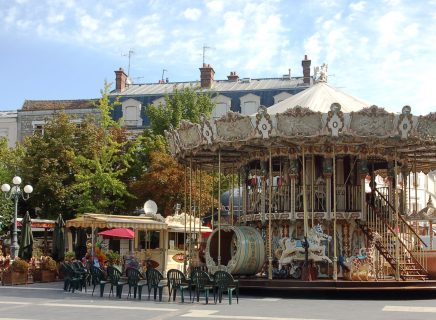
pixel 163 73
pixel 205 47
pixel 131 52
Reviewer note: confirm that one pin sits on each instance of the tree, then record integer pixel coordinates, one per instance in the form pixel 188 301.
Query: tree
pixel 157 175
pixel 164 183
pixel 184 104
pixel 49 164
pixel 101 179
pixel 6 173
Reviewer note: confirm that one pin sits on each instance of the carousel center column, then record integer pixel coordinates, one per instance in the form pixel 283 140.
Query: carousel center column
pixel 327 172
pixel 363 173
pixel 293 174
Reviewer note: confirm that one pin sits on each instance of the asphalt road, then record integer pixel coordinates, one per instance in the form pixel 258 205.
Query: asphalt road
pixel 49 301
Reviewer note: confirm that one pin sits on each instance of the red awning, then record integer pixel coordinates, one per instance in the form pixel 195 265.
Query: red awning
pixel 124 233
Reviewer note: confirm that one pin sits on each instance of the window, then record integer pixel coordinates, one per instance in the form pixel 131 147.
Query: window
pixel 281 96
pixel 38 127
pixel 222 106
pixel 132 113
pixel 250 104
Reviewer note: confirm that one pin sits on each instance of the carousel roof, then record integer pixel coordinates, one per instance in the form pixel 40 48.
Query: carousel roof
pixel 320 120
pixel 320 97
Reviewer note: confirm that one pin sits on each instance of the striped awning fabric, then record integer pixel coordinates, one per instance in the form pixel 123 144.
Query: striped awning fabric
pixel 115 221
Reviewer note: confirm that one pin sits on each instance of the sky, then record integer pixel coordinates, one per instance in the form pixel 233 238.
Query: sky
pixel 381 51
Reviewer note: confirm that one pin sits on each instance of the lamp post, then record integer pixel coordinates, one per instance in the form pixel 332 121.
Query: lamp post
pixel 15 193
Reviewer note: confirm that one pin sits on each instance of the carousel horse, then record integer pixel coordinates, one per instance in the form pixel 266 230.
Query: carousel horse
pixel 362 267
pixel 290 248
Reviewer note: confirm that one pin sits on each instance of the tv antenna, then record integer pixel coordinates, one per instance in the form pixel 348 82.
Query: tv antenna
pixel 130 54
pixel 205 47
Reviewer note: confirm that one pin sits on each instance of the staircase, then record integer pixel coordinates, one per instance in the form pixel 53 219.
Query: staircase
pixel 399 244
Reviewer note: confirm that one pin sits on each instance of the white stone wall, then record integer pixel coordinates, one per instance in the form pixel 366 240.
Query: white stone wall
pixel 8 127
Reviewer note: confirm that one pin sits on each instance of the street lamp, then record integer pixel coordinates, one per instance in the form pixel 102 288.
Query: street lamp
pixel 15 193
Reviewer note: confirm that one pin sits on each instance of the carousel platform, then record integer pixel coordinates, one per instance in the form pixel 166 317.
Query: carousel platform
pixel 328 285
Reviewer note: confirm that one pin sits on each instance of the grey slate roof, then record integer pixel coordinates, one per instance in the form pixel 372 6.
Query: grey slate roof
pixel 218 86
pixel 34 105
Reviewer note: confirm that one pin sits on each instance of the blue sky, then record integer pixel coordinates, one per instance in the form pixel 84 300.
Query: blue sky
pixel 380 51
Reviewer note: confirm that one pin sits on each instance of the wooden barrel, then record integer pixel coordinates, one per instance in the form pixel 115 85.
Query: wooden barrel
pixel 242 250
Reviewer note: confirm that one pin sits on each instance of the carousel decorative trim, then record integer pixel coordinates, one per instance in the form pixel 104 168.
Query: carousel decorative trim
pixel 264 124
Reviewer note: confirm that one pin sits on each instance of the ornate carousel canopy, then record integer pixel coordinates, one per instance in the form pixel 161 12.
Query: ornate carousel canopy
pixel 347 126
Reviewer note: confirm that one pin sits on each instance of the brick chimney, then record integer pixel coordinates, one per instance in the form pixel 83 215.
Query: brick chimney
pixel 120 80
pixel 233 76
pixel 207 76
pixel 306 70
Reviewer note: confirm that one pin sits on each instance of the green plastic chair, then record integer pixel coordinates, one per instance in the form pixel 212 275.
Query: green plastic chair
pixel 114 277
pixel 202 283
pixel 224 282
pixel 98 278
pixel 155 282
pixel 135 281
pixel 177 281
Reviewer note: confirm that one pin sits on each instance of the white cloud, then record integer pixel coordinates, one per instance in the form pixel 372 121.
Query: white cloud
pixel 89 23
pixel 215 6
pixel 55 18
pixel 358 6
pixel 192 14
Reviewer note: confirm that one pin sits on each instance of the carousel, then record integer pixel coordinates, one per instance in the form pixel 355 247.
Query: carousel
pixel 305 172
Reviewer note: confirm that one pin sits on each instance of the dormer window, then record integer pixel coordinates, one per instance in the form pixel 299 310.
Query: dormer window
pixel 38 127
pixel 281 96
pixel 249 104
pixel 132 113
pixel 222 106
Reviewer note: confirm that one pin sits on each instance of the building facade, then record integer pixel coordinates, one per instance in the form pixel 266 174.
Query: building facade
pixel 8 127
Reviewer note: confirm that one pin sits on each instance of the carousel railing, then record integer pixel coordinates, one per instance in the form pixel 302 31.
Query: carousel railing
pixel 409 257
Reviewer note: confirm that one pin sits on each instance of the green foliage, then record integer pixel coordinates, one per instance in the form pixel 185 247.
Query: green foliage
pixel 101 178
pixel 70 256
pixel 113 257
pixel 184 104
pixel 156 175
pixel 49 163
pixel 7 170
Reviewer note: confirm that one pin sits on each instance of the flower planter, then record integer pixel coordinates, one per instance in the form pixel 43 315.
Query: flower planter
pixel 14 278
pixel 44 276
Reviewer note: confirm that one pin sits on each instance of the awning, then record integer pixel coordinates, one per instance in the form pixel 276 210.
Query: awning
pixel 124 233
pixel 180 228
pixel 114 221
pixel 38 223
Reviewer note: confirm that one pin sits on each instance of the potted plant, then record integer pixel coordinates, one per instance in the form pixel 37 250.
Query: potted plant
pixel 70 256
pixel 113 258
pixel 16 272
pixel 46 269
